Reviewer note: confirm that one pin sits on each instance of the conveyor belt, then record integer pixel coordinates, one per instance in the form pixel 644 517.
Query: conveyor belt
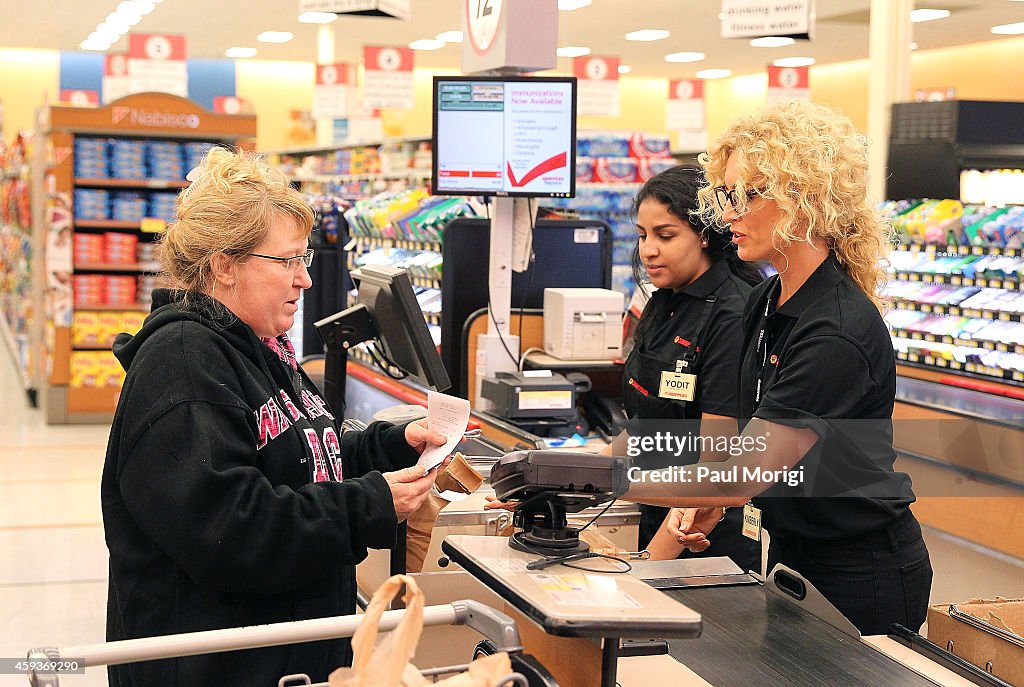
pixel 755 637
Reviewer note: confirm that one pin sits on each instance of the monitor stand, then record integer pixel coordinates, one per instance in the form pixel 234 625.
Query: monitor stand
pixel 340 332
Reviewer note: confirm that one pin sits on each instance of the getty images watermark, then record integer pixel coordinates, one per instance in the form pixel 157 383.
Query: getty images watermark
pixel 669 444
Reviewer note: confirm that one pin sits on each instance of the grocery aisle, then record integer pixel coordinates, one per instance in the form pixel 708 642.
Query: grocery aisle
pixel 53 559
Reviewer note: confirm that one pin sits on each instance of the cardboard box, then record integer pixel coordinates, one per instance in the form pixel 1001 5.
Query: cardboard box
pixel 985 647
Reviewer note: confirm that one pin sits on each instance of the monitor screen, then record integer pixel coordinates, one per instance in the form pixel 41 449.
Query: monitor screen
pixel 387 294
pixel 504 136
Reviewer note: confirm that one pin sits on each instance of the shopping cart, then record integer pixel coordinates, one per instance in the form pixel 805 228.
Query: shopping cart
pixel 498 629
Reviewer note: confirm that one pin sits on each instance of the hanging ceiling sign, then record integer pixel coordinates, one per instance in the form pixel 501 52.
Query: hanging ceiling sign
pixel 396 9
pixel 115 76
pixel 517 35
pixel 787 83
pixel 79 97
pixel 759 18
pixel 598 86
pixel 388 78
pixel 156 62
pixel 331 94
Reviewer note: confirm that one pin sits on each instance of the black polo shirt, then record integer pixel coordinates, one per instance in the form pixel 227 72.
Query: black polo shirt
pixel 824 361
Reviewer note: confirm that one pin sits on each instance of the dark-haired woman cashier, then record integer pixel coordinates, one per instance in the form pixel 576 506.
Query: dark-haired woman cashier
pixel 684 363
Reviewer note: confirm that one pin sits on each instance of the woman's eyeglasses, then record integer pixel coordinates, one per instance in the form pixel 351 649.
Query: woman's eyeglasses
pixel 728 196
pixel 291 263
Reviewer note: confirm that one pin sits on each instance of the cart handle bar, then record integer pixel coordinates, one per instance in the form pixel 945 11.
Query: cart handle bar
pixel 496 626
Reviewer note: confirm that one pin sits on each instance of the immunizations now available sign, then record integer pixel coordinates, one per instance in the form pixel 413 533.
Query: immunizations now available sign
pixel 509 137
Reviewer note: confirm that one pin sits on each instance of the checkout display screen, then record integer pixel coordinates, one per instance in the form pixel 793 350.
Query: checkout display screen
pixel 504 136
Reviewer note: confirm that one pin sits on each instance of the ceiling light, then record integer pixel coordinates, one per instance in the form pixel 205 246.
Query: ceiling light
pixel 685 57
pixel 772 42
pixel 141 7
pixel 106 34
pixel 625 69
pixel 117 26
pixel 119 18
pixel 713 73
pixel 317 17
pixel 928 15
pixel 100 46
pixel 274 37
pixel 569 5
pixel 1009 29
pixel 913 45
pixel 449 37
pixel 572 51
pixel 240 52
pixel 647 35
pixel 794 62
pixel 427 44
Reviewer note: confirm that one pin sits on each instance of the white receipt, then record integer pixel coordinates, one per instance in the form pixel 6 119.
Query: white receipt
pixel 448 415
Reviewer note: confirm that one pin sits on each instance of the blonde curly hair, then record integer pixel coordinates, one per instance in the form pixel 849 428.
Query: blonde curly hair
pixel 229 208
pixel 811 161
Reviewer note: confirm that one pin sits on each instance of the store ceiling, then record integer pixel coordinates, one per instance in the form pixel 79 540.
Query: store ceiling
pixel 211 26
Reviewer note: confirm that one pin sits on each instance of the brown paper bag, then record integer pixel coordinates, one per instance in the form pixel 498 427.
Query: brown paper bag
pixel 459 477
pixel 388 665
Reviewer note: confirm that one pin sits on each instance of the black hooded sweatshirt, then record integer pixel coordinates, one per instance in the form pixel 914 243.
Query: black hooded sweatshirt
pixel 223 505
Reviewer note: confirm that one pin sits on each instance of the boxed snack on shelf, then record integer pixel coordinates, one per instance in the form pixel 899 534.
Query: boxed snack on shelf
pixel 120 290
pixel 89 289
pixel 108 325
pixel 92 204
pixel 602 144
pixel 650 146
pixel 88 248
pixel 120 247
pixel 616 170
pixel 128 206
pixel 130 322
pixel 85 328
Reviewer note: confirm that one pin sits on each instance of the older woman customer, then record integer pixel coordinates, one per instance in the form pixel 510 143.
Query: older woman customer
pixel 230 496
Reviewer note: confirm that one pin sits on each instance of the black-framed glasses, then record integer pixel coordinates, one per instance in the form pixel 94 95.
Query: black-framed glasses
pixel 728 196
pixel 291 263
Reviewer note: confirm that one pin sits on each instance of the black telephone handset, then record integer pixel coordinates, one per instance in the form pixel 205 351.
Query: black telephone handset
pixel 604 414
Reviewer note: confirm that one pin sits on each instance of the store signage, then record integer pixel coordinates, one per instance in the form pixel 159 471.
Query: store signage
pixel 79 98
pixel 388 78
pixel 787 83
pixel 331 93
pixel 115 76
pixel 757 18
pixel 397 9
pixel 934 95
pixel 519 35
pixel 684 114
pixel 134 117
pixel 598 86
pixel 156 62
pixel 231 105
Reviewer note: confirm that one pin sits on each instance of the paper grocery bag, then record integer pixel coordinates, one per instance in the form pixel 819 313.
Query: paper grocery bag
pixel 459 477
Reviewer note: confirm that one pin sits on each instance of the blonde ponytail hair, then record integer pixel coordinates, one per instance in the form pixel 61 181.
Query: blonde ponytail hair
pixel 812 162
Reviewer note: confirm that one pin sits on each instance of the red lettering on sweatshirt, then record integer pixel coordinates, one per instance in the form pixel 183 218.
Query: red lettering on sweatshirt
pixel 315 406
pixel 333 447
pixel 320 473
pixel 271 421
pixel 293 411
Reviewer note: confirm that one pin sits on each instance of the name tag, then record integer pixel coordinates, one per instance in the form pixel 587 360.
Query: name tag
pixel 678 386
pixel 752 522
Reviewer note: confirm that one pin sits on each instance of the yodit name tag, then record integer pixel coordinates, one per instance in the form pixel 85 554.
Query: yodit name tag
pixel 677 386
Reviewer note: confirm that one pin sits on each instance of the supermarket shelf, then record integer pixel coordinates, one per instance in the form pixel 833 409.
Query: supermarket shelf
pixel 968 343
pixel 129 183
pixel 962 250
pixel 117 267
pixel 409 244
pixel 93 347
pixel 385 176
pixel 957 311
pixel 345 146
pixel 105 224
pixel 955 365
pixel 957 280
pixel 131 307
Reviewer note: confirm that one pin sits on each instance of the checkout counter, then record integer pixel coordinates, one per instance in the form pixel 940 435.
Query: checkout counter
pixel 584 626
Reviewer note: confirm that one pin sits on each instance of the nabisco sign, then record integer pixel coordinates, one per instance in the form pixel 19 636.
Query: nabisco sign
pixel 154 118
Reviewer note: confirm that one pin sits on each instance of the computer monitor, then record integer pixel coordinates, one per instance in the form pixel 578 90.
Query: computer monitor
pixel 504 136
pixel 388 314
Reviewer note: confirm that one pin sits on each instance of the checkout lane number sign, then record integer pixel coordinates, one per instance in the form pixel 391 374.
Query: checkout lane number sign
pixel 483 17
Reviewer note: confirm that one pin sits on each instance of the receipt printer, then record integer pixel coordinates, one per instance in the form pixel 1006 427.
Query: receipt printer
pixel 583 324
pixel 521 395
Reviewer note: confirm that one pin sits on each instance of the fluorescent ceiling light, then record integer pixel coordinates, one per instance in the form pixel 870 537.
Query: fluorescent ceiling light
pixel 1009 29
pixel 772 42
pixel 713 73
pixel 647 35
pixel 317 17
pixel 572 51
pixel 928 15
pixel 99 46
pixel 240 52
pixel 142 7
pixel 274 37
pixel 116 26
pixel 569 5
pixel 449 37
pixel 685 57
pixel 913 45
pixel 427 44
pixel 104 33
pixel 119 18
pixel 794 62
pixel 625 69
